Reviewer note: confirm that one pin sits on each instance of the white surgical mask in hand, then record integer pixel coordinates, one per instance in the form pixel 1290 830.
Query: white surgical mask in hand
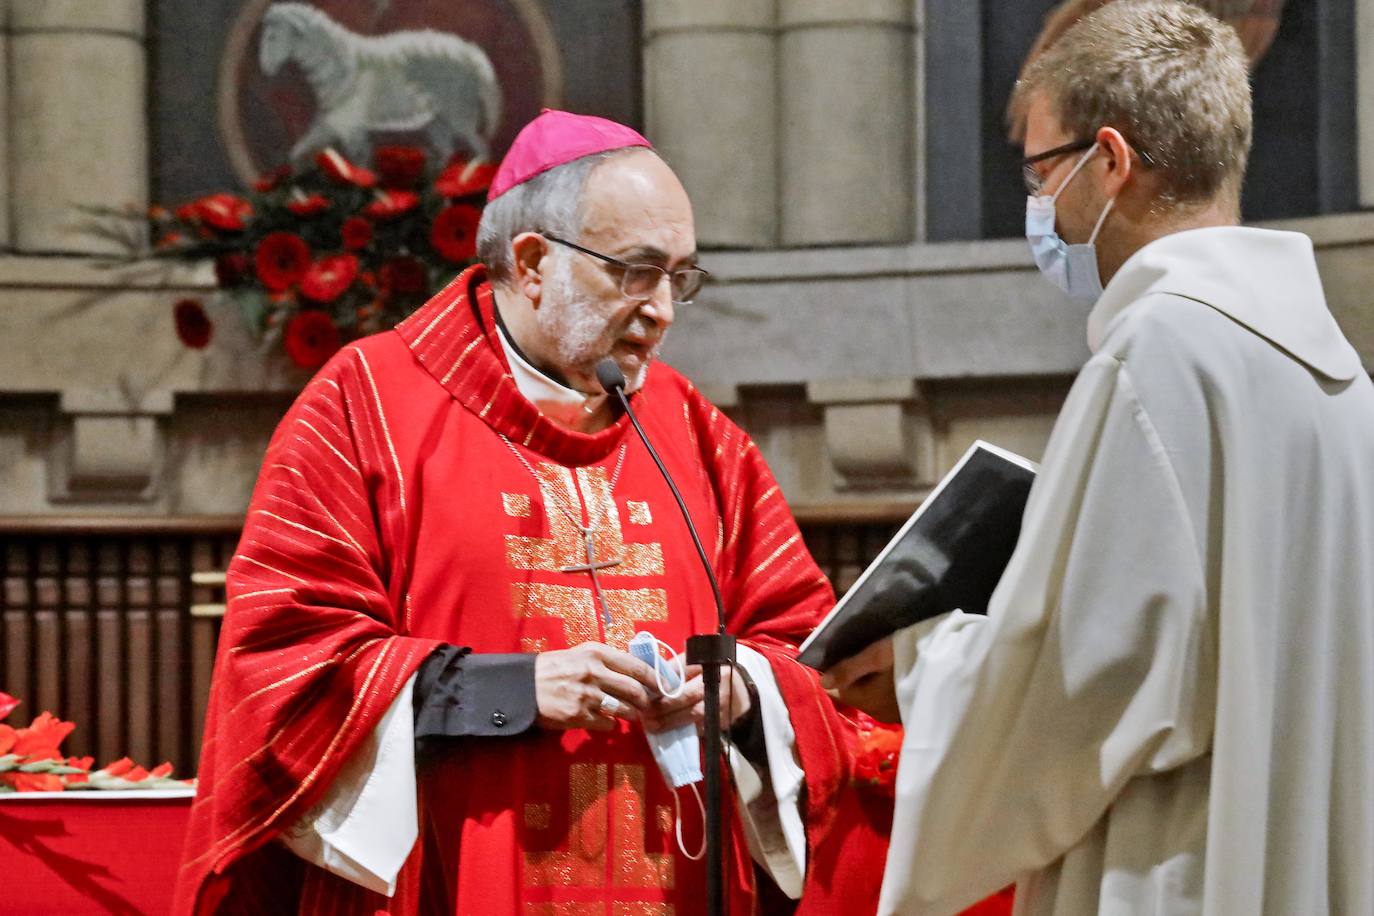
pixel 677 750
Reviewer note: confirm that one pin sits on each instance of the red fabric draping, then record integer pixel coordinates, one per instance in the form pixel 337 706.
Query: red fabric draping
pixel 389 517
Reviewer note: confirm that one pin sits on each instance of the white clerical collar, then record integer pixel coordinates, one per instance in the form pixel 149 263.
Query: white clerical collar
pixel 1263 279
pixel 561 404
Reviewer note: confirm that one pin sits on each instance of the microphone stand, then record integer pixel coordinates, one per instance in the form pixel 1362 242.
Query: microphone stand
pixel 712 651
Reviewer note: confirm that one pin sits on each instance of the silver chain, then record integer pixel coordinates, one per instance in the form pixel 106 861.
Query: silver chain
pixel 574 517
pixel 587 532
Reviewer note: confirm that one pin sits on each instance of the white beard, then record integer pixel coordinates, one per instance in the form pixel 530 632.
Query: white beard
pixel 580 335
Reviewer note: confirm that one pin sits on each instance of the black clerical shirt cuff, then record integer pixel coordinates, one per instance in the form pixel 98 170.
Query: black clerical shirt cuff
pixel 459 693
pixel 746 734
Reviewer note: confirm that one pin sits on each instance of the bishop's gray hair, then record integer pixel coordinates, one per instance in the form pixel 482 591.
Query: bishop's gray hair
pixel 550 203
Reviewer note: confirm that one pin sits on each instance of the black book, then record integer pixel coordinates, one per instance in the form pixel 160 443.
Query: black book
pixel 948 556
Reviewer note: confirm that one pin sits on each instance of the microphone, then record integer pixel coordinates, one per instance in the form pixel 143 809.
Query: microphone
pixel 711 651
pixel 613 381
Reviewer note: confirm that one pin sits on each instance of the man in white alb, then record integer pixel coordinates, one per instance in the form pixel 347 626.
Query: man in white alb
pixel 1170 705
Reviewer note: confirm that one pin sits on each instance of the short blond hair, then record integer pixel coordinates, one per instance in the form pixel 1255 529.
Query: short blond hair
pixel 1168 75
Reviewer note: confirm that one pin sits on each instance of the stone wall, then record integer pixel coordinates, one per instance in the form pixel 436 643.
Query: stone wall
pixel 863 363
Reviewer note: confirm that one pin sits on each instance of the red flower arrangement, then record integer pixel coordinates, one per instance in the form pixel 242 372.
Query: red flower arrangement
pixel 875 765
pixel 308 205
pixel 400 166
pixel 402 277
pixel 281 259
pixel 341 171
pixel 329 278
pixel 464 179
pixel 193 325
pixel 31 760
pixel 355 233
pixel 311 338
pixel 355 248
pixel 391 204
pixel 454 233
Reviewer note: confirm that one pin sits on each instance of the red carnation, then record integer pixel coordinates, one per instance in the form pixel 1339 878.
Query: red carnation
pixel 7 706
pixel 328 277
pixel 462 179
pixel 403 276
pixel 356 232
pixel 391 204
pixel 400 166
pixel 301 205
pixel 343 171
pixel 231 269
pixel 226 212
pixel 281 259
pixel 269 181
pixel 454 233
pixel 875 764
pixel 310 339
pixel 193 325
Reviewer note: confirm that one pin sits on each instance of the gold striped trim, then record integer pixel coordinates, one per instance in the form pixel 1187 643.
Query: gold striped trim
pixel 272 569
pixel 459 361
pixel 310 778
pixel 437 318
pixel 329 445
pixel 306 528
pixel 386 433
pixel 777 553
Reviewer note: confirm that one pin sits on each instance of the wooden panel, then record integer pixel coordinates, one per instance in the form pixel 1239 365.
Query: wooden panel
pixel 171 680
pixel 843 550
pixel 77 664
pixel 138 686
pixel 110 725
pixel 47 692
pixel 96 622
pixel 204 638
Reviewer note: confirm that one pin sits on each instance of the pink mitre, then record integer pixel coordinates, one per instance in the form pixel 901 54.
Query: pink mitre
pixel 556 138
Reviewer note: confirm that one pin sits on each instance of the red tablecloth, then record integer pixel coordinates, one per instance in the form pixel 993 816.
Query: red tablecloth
pixel 111 853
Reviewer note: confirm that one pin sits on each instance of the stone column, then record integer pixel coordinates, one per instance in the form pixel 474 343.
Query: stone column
pixel 846 77
pixel 1364 97
pixel 4 124
pixel 78 130
pixel 710 83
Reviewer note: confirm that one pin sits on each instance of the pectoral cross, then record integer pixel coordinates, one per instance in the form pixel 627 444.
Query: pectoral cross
pixel 591 567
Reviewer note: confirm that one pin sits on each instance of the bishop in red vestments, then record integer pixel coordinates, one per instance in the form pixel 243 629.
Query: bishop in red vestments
pixel 454 511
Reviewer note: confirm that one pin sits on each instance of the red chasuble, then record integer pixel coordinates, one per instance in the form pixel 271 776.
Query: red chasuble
pixel 391 516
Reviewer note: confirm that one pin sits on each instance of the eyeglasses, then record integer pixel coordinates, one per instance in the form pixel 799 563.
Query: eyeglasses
pixel 1035 182
pixel 639 281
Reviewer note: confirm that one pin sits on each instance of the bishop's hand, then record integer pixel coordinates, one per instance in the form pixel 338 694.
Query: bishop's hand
pixel 572 687
pixel 865 681
pixel 690 705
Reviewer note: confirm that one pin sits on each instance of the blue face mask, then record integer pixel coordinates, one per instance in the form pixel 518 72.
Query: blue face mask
pixel 1072 268
pixel 677 750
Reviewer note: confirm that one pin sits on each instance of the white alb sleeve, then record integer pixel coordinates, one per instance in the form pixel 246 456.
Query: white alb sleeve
pixel 770 796
pixel 366 824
